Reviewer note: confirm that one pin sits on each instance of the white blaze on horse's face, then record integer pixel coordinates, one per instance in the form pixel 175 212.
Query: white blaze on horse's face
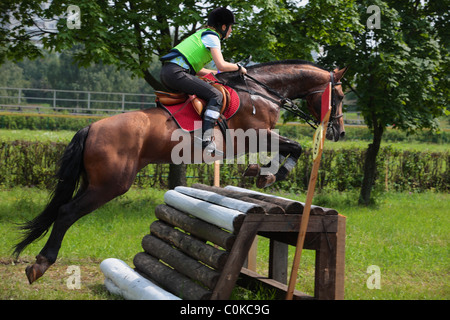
pixel 336 128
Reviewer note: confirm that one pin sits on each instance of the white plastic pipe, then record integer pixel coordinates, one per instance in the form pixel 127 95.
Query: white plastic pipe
pixel 218 199
pixel 120 279
pixel 214 214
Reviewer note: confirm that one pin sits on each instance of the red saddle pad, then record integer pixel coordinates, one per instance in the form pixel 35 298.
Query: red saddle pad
pixel 188 119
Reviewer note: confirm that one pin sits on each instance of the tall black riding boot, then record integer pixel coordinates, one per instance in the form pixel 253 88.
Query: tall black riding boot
pixel 210 117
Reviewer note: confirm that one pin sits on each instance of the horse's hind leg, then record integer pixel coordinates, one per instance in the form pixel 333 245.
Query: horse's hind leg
pixel 84 203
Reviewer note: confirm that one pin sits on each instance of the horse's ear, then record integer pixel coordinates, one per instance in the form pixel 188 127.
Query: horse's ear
pixel 338 74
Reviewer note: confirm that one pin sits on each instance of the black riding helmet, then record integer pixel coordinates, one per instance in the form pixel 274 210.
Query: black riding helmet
pixel 219 17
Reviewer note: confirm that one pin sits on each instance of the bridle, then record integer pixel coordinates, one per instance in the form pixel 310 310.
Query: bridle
pixel 290 106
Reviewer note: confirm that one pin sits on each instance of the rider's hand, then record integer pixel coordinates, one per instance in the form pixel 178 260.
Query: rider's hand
pixel 241 69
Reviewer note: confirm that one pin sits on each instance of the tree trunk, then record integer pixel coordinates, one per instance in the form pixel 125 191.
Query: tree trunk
pixel 177 175
pixel 370 162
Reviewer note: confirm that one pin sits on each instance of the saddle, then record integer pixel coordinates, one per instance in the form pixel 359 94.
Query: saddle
pixel 171 98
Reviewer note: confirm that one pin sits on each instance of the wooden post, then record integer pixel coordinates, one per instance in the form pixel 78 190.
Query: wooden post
pixel 235 261
pixel 252 254
pixel 319 137
pixel 330 264
pixel 217 173
pixel 278 261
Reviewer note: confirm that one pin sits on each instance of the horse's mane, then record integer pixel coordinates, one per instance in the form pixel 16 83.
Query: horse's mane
pixel 233 79
pixel 294 61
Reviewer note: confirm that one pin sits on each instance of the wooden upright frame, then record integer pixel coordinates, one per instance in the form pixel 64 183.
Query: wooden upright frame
pixel 325 235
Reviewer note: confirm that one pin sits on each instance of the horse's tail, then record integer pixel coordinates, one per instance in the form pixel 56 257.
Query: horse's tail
pixel 68 175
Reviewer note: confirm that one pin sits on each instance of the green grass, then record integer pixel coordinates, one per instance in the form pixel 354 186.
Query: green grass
pixel 36 135
pixel 406 234
pixel 115 230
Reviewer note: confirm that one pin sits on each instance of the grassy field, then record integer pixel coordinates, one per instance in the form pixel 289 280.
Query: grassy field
pixel 406 234
pixel 114 230
pixel 36 135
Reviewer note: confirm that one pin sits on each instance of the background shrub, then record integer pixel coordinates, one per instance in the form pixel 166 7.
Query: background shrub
pixel 26 163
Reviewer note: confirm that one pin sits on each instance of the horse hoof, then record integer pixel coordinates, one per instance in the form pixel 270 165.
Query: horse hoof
pixel 264 181
pixel 38 269
pixel 33 273
pixel 252 170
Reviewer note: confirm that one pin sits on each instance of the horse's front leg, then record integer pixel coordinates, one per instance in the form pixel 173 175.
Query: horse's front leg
pixel 290 152
pixel 287 152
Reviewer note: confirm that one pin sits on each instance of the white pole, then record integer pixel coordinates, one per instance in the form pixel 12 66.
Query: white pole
pixel 120 279
pixel 214 214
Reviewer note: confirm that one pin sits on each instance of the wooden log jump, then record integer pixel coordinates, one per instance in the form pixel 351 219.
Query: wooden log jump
pixel 198 246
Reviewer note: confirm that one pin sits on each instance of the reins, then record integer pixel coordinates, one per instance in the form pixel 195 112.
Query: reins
pixel 293 108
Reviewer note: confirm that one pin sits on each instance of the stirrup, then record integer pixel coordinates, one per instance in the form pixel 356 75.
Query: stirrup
pixel 206 143
pixel 209 146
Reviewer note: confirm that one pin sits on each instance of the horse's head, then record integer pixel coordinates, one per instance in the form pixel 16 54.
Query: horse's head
pixel 336 129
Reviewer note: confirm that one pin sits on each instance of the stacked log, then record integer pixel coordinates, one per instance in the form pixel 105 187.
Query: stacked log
pixel 289 206
pixel 188 246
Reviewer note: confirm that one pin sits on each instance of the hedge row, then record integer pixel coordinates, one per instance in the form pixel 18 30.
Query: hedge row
pixel 44 122
pixel 297 131
pixel 34 163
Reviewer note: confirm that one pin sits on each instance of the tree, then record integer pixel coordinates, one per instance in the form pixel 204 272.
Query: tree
pixel 399 71
pixel 129 34
pixel 278 30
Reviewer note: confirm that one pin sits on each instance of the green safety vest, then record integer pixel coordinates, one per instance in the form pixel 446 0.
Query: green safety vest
pixel 194 51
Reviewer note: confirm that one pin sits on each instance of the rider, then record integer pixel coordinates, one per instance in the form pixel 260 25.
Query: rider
pixel 188 59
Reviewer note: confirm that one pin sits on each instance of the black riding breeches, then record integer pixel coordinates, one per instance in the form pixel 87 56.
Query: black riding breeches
pixel 179 79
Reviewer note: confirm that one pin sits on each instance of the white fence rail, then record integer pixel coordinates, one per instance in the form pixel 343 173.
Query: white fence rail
pixel 84 102
pixel 73 101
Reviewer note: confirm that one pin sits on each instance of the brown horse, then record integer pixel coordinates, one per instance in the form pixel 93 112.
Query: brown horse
pixel 102 160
